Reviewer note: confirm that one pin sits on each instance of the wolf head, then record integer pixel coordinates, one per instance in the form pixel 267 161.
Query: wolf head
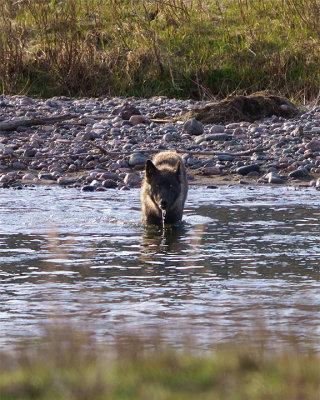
pixel 165 184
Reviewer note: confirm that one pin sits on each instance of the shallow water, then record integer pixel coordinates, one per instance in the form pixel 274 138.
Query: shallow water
pixel 244 262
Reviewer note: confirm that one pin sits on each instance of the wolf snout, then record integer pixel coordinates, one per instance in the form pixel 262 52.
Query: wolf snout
pixel 164 204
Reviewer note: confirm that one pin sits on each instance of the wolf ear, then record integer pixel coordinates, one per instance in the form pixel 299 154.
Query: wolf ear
pixel 178 169
pixel 151 170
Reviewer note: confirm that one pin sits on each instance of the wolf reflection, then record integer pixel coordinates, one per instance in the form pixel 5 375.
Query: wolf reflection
pixel 178 246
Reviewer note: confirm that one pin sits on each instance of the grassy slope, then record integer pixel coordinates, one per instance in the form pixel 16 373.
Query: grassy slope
pixel 162 376
pixel 179 48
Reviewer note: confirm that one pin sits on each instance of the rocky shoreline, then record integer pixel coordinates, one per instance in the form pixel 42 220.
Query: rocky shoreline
pixel 104 143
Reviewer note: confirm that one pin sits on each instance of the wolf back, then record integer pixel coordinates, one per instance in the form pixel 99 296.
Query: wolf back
pixel 164 188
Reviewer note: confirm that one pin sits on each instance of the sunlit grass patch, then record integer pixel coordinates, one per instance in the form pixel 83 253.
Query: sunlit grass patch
pixel 178 48
pixel 83 371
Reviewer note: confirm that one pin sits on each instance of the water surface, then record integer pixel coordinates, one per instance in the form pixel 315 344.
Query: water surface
pixel 244 262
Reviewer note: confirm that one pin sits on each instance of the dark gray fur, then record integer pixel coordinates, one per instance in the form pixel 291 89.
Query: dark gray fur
pixel 165 187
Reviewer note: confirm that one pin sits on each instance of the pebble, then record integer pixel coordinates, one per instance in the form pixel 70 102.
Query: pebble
pixel 212 170
pixel 299 173
pixel 138 119
pixel 121 127
pixel 18 165
pixel 133 179
pixel 65 181
pixel 274 178
pixel 245 170
pixel 313 145
pixel 29 177
pixel 137 159
pixel 127 111
pixel 88 188
pixel 109 184
pixel 217 129
pixel 193 127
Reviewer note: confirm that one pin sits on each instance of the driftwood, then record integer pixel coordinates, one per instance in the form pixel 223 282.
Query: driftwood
pixel 14 124
pixel 193 153
pixel 242 108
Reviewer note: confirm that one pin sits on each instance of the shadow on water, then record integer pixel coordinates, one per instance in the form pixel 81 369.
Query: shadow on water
pixel 240 260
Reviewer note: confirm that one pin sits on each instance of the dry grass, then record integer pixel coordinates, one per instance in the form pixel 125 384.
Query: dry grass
pixel 183 48
pixel 70 365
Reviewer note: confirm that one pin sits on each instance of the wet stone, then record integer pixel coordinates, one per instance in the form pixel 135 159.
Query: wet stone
pixel 274 178
pixel 88 188
pixel 29 177
pixel 299 173
pixel 46 176
pixel 248 168
pixel 65 181
pixel 109 184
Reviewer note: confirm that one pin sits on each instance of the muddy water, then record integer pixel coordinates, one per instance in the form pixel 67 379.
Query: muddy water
pixel 244 262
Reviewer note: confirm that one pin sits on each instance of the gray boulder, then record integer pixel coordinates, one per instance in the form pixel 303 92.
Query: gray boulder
pixel 193 127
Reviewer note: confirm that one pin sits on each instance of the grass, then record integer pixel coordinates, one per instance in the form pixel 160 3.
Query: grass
pixel 181 48
pixel 78 369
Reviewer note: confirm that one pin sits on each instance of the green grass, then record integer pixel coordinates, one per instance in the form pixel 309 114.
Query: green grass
pixel 166 374
pixel 181 48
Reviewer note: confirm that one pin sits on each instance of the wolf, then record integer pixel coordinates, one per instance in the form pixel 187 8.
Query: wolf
pixel 164 189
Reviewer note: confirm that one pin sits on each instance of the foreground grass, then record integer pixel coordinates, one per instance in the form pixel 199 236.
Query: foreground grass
pixel 182 48
pixel 74 374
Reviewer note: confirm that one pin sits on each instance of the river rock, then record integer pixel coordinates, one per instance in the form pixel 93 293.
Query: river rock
pixel 225 157
pixel 248 168
pixel 314 145
pixel 274 178
pixel 46 176
pixel 132 180
pixel 30 152
pixel 138 119
pixel 298 131
pixel 109 184
pixel 168 137
pixel 193 127
pixel 217 129
pixel 5 178
pixel 88 188
pixel 137 159
pixel 238 131
pixel 218 137
pixel 29 177
pixel 108 175
pixel 18 165
pixel 212 170
pixel 301 172
pixel 128 110
pixel 66 181
pixel 26 101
